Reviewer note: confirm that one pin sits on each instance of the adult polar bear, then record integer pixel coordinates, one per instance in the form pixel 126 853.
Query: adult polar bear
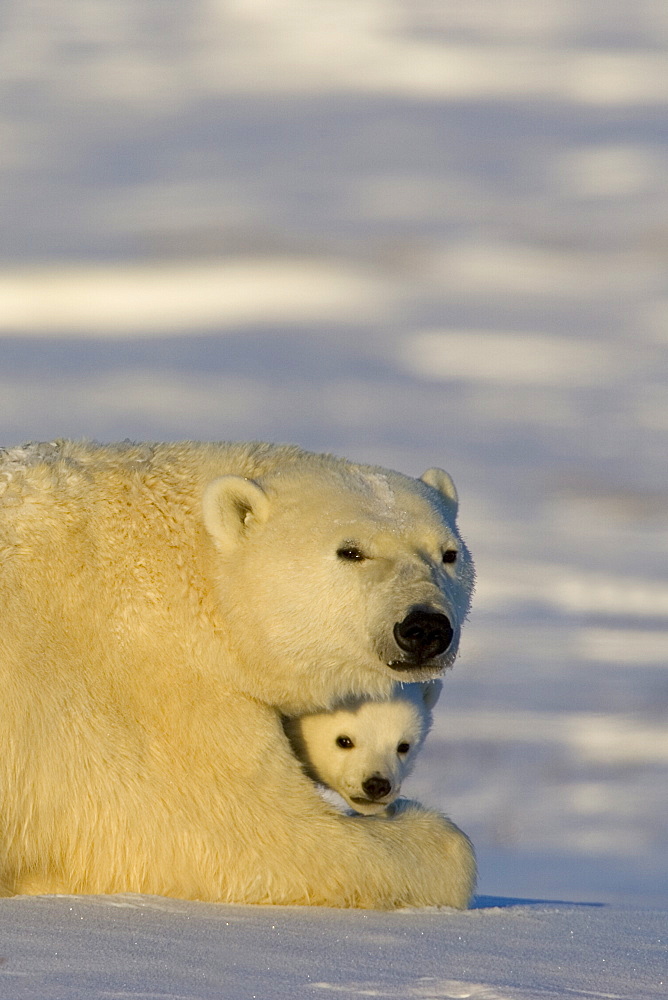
pixel 162 605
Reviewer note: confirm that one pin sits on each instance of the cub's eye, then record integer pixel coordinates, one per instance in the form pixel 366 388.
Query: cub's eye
pixel 450 556
pixel 344 742
pixel 351 553
pixel 403 748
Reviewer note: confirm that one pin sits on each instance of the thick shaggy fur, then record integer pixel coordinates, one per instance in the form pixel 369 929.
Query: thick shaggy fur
pixel 162 605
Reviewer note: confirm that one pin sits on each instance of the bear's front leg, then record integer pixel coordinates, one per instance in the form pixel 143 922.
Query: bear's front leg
pixel 433 860
pixel 415 858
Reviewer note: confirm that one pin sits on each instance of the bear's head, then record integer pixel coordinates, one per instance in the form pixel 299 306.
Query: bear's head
pixel 364 748
pixel 337 580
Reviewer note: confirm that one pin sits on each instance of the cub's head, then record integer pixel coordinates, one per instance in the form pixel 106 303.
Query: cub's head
pixel 364 749
pixel 337 580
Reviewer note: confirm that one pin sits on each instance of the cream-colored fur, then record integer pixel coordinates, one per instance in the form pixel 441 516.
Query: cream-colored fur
pixel 161 606
pixel 366 747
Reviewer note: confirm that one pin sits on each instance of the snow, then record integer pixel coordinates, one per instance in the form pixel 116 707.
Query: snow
pixel 119 946
pixel 412 234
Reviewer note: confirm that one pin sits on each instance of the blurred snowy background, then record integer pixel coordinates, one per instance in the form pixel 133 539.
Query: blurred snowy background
pixel 414 233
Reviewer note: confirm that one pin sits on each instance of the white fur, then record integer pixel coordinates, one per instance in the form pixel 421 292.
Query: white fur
pixel 364 749
pixel 162 606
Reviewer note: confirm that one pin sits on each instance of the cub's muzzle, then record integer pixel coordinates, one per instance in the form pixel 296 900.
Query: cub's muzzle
pixel 376 787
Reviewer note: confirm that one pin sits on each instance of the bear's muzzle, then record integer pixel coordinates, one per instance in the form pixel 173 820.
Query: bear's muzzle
pixel 423 635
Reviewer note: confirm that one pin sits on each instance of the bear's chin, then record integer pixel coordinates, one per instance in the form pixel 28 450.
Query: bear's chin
pixel 419 671
pixel 423 670
pixel 366 807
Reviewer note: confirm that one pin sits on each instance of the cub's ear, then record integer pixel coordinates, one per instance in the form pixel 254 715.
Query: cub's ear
pixel 431 691
pixel 442 482
pixel 231 506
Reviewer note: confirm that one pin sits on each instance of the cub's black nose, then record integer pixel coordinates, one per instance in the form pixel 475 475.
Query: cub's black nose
pixel 376 787
pixel 424 634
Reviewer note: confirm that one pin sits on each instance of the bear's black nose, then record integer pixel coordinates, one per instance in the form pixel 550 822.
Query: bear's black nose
pixel 424 634
pixel 376 787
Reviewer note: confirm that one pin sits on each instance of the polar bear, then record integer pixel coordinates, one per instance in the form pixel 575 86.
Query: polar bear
pixel 365 748
pixel 163 605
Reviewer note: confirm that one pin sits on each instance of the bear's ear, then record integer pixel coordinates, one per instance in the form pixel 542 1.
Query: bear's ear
pixel 230 506
pixel 442 482
pixel 431 691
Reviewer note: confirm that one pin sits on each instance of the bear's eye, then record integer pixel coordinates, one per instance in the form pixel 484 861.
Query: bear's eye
pixel 450 556
pixel 344 742
pixel 403 748
pixel 351 553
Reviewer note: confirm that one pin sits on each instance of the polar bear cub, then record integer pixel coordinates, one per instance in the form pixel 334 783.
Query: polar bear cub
pixel 364 748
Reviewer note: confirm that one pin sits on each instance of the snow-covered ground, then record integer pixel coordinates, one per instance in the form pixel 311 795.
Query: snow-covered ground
pixel 414 234
pixel 77 948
